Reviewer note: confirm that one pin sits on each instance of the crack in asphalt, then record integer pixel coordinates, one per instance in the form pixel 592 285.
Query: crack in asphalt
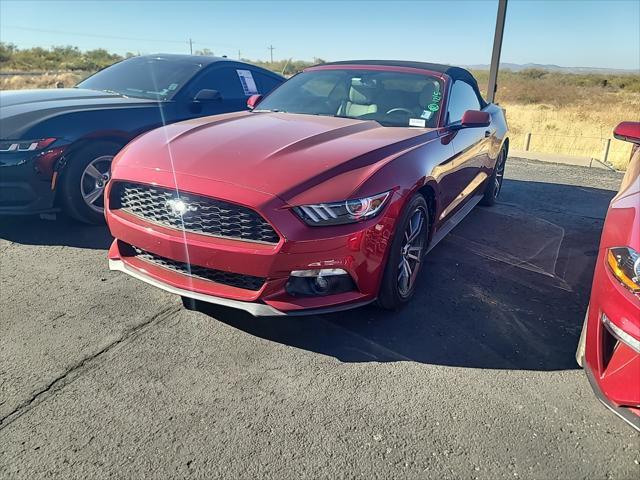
pixel 82 366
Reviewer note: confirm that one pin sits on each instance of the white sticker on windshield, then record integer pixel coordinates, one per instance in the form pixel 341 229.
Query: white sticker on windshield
pixel 417 122
pixel 172 87
pixel 247 81
pixel 426 114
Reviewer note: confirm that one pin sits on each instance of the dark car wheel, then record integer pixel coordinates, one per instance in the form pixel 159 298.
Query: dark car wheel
pixel 494 183
pixel 84 179
pixel 405 257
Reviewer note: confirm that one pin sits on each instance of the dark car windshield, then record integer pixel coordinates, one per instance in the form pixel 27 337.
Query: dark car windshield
pixel 144 77
pixel 393 99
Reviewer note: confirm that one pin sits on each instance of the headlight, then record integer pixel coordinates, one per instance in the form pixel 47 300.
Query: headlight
pixel 25 145
pixel 624 263
pixel 338 213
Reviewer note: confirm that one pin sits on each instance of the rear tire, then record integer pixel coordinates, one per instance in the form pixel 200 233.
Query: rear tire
pixel 406 254
pixel 494 182
pixel 84 179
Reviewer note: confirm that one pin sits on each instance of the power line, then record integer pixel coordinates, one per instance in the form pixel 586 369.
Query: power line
pixel 271 48
pixel 215 45
pixel 94 35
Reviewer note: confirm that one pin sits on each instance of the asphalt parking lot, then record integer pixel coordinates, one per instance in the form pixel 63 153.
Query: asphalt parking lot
pixel 102 376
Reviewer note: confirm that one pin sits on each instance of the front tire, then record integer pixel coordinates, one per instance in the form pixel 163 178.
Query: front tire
pixel 84 180
pixel 405 255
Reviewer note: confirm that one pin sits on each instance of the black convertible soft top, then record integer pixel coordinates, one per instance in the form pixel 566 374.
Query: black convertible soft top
pixel 456 73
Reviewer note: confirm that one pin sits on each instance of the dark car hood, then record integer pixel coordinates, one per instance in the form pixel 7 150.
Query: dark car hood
pixel 20 110
pixel 299 158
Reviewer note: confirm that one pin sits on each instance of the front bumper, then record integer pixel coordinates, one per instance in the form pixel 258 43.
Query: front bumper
pixel 613 366
pixel 254 308
pixel 359 249
pixel 630 415
pixel 26 182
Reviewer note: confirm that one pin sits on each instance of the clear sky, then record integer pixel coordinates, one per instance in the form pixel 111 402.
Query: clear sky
pixel 590 33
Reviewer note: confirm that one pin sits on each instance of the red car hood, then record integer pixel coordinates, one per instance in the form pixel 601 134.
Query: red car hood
pixel 299 158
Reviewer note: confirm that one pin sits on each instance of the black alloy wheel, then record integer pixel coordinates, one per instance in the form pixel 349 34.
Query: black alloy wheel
pixel 84 179
pixel 494 182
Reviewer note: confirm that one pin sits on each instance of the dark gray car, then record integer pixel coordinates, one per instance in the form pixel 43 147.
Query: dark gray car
pixel 56 145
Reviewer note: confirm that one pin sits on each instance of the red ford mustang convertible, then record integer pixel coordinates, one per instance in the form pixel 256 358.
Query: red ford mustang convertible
pixel 325 196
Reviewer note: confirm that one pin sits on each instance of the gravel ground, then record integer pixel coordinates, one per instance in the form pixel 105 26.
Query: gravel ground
pixel 102 376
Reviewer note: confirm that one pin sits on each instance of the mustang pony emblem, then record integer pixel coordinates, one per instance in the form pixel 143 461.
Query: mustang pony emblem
pixel 178 207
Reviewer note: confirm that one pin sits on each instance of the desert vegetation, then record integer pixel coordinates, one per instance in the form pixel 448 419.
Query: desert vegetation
pixel 570 114
pixel 566 113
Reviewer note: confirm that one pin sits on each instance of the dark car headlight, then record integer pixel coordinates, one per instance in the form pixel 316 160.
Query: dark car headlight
pixel 11 146
pixel 624 263
pixel 339 213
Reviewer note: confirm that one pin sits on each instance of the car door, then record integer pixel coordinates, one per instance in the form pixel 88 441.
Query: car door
pixel 468 168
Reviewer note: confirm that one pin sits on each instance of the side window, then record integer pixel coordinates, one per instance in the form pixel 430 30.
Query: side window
pixel 266 83
pixel 225 80
pixel 463 98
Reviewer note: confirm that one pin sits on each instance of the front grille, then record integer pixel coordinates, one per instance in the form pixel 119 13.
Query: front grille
pixel 248 282
pixel 200 214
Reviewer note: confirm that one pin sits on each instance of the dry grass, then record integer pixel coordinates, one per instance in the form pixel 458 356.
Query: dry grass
pixel 568 114
pixel 47 80
pixel 577 129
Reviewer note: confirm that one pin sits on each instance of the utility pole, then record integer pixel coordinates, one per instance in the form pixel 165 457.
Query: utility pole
pixel 271 48
pixel 239 56
pixel 191 46
pixel 497 48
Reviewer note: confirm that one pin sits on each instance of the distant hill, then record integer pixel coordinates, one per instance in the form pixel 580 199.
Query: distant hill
pixel 516 67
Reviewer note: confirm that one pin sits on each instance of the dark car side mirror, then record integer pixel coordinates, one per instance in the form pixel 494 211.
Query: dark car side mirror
pixel 253 101
pixel 206 95
pixel 475 118
pixel 628 132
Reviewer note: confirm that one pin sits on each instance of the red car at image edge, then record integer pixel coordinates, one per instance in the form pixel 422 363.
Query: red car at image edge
pixel 325 196
pixel 609 347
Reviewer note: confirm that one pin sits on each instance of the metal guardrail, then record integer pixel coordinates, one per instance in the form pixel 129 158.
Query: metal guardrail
pixel 605 150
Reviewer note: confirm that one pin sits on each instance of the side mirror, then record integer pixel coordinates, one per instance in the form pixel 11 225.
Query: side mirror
pixel 628 132
pixel 253 101
pixel 475 118
pixel 206 95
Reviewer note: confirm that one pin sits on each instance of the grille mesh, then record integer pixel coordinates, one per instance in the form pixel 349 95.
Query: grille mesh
pixel 238 280
pixel 204 215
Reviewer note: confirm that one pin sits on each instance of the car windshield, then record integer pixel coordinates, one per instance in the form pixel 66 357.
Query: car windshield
pixel 393 99
pixel 143 77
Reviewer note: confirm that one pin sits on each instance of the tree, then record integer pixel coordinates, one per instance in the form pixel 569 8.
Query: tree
pixel 7 50
pixel 204 51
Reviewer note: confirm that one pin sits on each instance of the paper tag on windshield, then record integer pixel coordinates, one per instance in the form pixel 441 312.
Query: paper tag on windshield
pixel 417 122
pixel 426 114
pixel 247 81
